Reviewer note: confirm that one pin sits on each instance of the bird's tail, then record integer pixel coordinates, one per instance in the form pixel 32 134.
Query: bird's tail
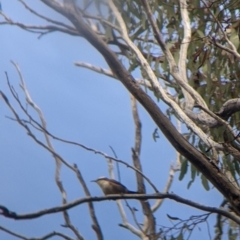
pixel 132 192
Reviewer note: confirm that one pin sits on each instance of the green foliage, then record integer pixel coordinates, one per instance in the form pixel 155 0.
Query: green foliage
pixel 211 70
pixel 205 182
pixel 194 171
pixel 232 235
pixel 183 170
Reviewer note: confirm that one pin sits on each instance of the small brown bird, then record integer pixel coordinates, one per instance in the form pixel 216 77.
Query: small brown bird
pixel 110 186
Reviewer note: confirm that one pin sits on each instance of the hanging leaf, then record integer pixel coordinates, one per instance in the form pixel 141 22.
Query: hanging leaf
pixel 189 184
pixel 173 218
pixel 183 170
pixel 193 172
pixel 205 182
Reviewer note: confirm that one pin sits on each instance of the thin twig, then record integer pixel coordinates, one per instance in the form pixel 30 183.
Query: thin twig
pixel 47 236
pixel 46 18
pixel 149 222
pixel 50 146
pixel 96 227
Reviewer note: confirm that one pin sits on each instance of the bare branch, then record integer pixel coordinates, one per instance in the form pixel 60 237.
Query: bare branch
pixel 42 29
pixel 172 171
pixel 47 236
pixel 133 210
pixel 122 212
pixel 9 214
pixel 50 146
pixel 149 223
pixel 159 202
pixel 236 54
pixel 228 108
pixel 13 233
pixel 106 156
pixel 46 18
pixel 68 142
pixel 109 73
pixel 183 52
pixel 96 227
pixel 106 72
pixel 29 132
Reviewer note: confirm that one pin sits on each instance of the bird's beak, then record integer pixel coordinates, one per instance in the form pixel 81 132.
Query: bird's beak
pixel 93 180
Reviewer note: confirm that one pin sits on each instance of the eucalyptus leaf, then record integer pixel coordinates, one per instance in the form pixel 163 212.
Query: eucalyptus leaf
pixel 205 182
pixel 183 170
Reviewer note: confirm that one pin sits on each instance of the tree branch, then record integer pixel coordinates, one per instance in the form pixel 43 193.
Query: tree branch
pixel 213 173
pixel 156 86
pixel 9 214
pixel 47 236
pixel 51 148
pixel 149 223
pixel 96 227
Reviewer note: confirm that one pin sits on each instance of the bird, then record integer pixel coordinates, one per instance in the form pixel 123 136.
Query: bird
pixel 110 186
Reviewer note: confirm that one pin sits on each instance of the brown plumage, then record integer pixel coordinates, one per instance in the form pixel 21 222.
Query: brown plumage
pixel 110 186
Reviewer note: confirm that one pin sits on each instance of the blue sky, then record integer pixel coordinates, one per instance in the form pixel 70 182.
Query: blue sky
pixel 82 106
